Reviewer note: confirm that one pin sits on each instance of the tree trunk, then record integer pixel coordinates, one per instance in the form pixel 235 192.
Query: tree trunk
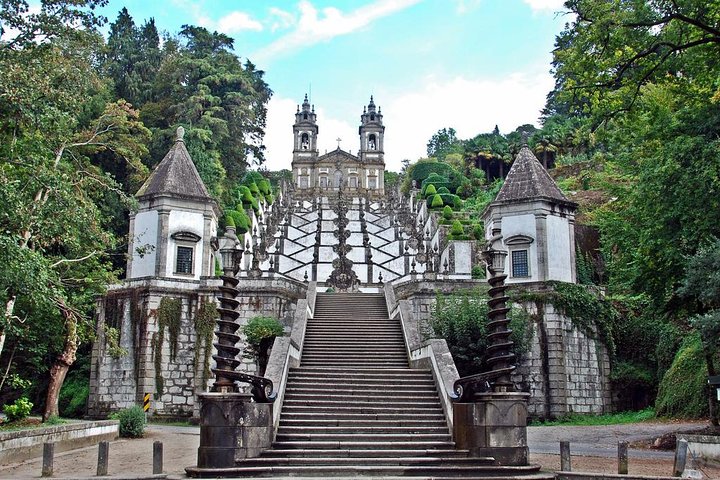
pixel 63 362
pixel 9 310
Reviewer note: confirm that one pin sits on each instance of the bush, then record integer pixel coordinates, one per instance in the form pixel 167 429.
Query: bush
pixel 429 190
pixel 260 333
pixel 450 199
pixel 461 319
pixel 447 212
pixel 457 228
pixel 683 390
pixel 439 181
pixel 435 201
pixel 18 410
pixel 443 190
pixel 241 220
pixel 132 422
pixel 478 231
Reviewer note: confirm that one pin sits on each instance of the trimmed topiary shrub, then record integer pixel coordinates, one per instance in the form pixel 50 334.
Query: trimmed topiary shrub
pixel 435 201
pixel 457 228
pixel 132 422
pixel 443 190
pixel 429 190
pixel 450 199
pixel 241 220
pixel 447 212
pixel 438 180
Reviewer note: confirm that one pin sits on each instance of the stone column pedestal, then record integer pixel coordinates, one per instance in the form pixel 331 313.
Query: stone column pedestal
pixel 232 428
pixel 495 425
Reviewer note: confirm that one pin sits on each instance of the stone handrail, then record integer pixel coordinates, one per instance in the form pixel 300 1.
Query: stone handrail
pixel 286 351
pixel 433 354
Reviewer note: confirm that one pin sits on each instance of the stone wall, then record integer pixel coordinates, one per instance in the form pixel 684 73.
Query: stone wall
pixel 565 371
pixel 169 366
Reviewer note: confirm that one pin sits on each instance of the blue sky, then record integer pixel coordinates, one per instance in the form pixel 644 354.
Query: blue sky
pixel 466 64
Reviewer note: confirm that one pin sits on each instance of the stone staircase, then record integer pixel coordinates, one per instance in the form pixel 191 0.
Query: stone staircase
pixel 354 408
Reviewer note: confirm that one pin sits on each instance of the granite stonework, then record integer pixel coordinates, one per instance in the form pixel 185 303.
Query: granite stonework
pixel 565 370
pixel 131 308
pixel 495 425
pixel 232 428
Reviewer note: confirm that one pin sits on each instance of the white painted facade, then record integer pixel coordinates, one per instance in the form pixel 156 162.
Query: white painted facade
pixel 145 238
pixel 543 230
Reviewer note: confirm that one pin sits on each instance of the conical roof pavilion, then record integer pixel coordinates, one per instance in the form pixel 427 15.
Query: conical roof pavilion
pixel 175 175
pixel 528 180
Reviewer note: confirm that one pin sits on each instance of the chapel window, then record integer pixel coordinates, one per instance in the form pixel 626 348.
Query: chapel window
pixel 520 264
pixel 372 144
pixel 304 141
pixel 184 260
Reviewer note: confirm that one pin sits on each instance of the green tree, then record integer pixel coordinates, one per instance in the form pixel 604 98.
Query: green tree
pixel 442 143
pixel 53 124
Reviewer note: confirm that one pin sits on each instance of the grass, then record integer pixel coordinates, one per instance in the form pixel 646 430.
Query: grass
pixel 577 419
pixel 179 423
pixel 30 423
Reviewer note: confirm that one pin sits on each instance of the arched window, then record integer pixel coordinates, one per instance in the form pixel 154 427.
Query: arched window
pixel 304 116
pixel 372 142
pixel 372 117
pixel 305 141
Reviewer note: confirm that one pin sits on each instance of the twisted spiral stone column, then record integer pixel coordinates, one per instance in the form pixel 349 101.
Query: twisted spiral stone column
pixel 501 359
pixel 226 359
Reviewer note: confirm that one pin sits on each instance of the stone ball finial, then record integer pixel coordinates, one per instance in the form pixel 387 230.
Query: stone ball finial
pixel 180 134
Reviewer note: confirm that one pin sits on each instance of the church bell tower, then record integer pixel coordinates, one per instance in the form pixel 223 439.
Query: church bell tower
pixel 306 131
pixel 371 132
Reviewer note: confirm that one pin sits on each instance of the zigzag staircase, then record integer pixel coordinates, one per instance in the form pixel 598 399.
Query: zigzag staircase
pixel 355 408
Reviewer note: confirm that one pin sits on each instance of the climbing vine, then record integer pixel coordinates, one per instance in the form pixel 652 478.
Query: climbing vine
pixel 593 315
pixel 168 316
pixel 112 340
pixel 204 328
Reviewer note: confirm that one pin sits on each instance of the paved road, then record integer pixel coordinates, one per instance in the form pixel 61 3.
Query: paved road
pixel 602 441
pixel 133 458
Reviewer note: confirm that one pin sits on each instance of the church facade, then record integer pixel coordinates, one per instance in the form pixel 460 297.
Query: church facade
pixel 321 174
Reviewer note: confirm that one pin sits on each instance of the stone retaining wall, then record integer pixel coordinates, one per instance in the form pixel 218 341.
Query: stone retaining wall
pixel 21 445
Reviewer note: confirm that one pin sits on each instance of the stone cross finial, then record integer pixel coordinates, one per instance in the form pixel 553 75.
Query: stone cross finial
pixel 338 140
pixel 180 134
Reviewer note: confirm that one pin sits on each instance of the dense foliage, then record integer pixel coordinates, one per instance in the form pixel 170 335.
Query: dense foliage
pixel 82 121
pixel 461 318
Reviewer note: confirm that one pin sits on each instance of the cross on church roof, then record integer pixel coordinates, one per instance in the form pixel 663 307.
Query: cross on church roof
pixel 338 140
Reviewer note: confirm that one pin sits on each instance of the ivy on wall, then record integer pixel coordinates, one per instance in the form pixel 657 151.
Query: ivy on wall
pixel 112 341
pixel 591 314
pixel 168 316
pixel 204 328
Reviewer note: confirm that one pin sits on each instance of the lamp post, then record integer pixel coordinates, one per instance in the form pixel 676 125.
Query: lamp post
pixel 501 359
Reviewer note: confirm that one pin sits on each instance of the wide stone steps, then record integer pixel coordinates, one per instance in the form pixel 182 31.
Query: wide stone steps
pixel 354 408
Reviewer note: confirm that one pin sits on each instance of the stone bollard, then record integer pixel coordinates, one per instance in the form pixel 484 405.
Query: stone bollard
pixel 622 458
pixel 103 458
pixel 157 457
pixel 565 465
pixel 680 457
pixel 48 457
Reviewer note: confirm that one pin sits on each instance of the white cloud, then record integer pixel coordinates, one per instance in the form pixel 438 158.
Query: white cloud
pixel 554 5
pixel 237 21
pixel 314 27
pixel 464 6
pixel 281 19
pixel 470 106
